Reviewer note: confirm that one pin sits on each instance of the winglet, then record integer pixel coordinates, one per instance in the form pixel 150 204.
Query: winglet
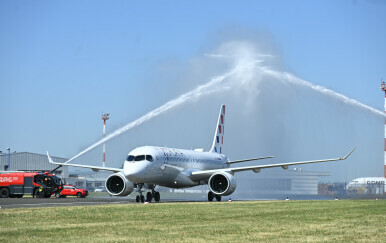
pixel 349 153
pixel 49 158
pixel 94 168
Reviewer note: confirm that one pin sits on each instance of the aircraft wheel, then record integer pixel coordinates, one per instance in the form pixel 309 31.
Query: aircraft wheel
pixel 157 196
pixel 137 199
pixel 149 197
pixel 142 199
pixel 218 198
pixel 210 196
pixel 4 192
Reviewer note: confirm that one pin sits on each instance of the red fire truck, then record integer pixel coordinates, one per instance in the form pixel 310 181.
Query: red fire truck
pixel 16 184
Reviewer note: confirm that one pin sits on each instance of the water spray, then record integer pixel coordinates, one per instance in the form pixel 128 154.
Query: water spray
pixel 298 81
pixel 208 88
pixel 247 70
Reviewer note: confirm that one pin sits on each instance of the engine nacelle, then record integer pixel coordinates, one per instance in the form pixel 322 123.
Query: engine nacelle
pixel 222 184
pixel 118 185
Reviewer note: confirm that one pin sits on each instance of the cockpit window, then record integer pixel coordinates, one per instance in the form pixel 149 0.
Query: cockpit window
pixel 139 158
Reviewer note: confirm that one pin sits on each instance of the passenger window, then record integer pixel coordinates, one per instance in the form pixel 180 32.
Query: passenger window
pixel 139 158
pixel 149 158
pixel 130 158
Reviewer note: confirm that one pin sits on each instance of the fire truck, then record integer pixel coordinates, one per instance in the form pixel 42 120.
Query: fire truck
pixel 39 184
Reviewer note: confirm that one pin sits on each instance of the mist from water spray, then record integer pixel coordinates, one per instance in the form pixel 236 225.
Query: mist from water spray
pixel 247 72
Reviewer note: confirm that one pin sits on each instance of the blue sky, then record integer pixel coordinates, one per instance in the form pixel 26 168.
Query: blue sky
pixel 63 63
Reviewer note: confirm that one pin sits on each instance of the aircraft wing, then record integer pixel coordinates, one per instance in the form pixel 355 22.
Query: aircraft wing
pixel 94 168
pixel 205 174
pixel 246 160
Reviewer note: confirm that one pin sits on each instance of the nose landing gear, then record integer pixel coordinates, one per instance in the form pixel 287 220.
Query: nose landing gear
pixel 140 198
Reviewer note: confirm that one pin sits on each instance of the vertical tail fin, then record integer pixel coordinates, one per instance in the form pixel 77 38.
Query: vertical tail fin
pixel 218 139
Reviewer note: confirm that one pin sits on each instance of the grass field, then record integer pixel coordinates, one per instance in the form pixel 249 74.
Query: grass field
pixel 274 221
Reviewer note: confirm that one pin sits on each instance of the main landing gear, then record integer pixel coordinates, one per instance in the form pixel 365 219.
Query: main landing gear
pixel 211 196
pixel 149 195
pixel 153 195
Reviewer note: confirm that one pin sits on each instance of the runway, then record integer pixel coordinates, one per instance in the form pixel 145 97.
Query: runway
pixel 7 203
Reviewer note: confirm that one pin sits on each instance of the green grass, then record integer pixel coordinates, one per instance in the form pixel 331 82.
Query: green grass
pixel 274 221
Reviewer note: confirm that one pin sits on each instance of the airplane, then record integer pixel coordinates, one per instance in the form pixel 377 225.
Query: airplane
pixel 149 166
pixel 367 181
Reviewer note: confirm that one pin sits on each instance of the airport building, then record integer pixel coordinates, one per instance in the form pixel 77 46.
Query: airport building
pixel 278 184
pixel 26 161
pixel 89 181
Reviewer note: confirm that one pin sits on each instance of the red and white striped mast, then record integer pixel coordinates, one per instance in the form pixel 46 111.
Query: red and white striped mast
pixel 105 117
pixel 383 87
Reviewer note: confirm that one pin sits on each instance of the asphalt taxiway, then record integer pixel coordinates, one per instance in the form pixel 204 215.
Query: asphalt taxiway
pixel 7 203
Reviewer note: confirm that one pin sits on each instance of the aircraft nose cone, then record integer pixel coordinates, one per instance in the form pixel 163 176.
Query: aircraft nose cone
pixel 135 171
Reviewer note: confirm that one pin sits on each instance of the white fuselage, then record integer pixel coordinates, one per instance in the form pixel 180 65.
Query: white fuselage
pixel 367 181
pixel 169 167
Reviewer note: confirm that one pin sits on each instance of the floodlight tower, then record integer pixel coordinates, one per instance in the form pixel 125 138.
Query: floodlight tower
pixel 9 159
pixel 383 87
pixel 105 117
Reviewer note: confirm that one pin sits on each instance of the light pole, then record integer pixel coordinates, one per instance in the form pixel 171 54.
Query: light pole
pixel 9 157
pixel 105 117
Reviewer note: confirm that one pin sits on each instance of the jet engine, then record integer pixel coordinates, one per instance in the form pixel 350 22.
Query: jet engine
pixel 222 184
pixel 118 185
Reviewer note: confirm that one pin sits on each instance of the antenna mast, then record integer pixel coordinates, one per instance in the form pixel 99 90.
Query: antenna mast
pixel 383 87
